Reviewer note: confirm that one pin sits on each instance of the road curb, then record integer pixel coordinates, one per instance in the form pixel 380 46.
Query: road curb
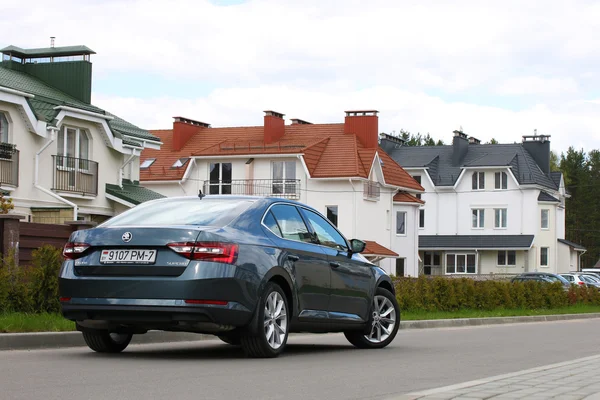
pixel 49 340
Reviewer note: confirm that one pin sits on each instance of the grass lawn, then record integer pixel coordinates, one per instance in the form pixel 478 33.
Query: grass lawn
pixel 21 322
pixel 422 315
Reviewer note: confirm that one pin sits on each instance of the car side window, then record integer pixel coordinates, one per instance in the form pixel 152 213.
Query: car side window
pixel 271 223
pixel 290 223
pixel 327 234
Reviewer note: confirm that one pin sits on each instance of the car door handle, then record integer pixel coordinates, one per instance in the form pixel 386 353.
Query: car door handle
pixel 293 258
pixel 334 264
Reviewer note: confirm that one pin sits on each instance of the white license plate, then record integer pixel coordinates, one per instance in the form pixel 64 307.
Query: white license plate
pixel 128 256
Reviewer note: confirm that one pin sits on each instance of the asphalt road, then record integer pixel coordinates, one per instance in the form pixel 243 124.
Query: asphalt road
pixel 313 367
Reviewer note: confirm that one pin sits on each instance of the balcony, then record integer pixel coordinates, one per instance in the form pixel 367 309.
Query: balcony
pixel 371 190
pixel 75 175
pixel 9 165
pixel 289 188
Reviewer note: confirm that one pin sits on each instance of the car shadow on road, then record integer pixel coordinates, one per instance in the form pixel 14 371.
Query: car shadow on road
pixel 207 351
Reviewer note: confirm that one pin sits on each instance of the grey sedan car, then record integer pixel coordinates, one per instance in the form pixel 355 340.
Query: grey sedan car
pixel 248 270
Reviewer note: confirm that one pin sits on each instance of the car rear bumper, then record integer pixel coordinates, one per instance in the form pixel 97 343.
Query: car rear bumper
pixel 151 314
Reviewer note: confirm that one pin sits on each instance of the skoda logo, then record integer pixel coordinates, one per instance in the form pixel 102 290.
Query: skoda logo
pixel 127 237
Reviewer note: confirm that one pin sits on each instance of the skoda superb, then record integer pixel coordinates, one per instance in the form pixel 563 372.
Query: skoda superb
pixel 248 270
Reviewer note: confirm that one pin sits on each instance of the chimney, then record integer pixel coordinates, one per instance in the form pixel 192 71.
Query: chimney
pixel 460 146
pixel 274 126
pixel 539 148
pixel 389 142
pixel 473 140
pixel 365 125
pixel 296 121
pixel 184 129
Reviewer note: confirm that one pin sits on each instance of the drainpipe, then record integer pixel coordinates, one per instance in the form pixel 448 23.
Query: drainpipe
pixel 353 208
pixel 37 170
pixel 186 175
pixel 122 167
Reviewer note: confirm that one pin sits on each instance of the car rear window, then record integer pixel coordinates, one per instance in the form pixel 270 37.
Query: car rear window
pixel 205 212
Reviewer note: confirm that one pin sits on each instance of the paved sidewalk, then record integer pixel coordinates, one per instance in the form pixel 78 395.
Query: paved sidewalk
pixel 571 380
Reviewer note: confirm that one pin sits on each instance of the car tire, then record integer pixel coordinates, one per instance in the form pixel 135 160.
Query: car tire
pixel 384 319
pixel 272 329
pixel 105 342
pixel 232 339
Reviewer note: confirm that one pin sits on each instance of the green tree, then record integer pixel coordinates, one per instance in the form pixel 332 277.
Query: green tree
pixel 492 141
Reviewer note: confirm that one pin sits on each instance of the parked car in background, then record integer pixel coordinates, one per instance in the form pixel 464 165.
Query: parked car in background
pixel 249 270
pixel 578 278
pixel 542 277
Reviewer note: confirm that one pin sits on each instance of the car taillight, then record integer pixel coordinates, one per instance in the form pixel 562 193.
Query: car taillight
pixel 581 283
pixel 72 250
pixel 207 251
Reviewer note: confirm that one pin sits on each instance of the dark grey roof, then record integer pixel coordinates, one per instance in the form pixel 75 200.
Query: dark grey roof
pixel 475 241
pixel 544 196
pixel 572 244
pixel 443 172
pixel 555 176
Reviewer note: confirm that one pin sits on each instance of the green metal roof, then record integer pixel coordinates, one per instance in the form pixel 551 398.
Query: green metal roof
pixel 47 98
pixel 132 192
pixel 47 51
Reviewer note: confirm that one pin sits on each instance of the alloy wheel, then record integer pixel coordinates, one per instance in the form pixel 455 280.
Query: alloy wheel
pixel 275 322
pixel 383 321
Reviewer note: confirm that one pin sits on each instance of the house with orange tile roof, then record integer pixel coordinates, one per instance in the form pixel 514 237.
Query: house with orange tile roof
pixel 338 168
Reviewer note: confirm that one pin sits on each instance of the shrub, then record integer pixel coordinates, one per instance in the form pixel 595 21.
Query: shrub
pixel 15 291
pixel 44 283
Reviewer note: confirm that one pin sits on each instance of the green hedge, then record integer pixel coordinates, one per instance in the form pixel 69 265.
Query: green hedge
pixel 31 288
pixel 453 294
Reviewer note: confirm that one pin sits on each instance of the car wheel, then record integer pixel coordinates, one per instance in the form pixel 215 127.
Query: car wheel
pixel 273 325
pixel 105 342
pixel 231 339
pixel 384 322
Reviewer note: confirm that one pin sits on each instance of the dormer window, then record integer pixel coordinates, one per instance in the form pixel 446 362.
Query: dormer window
pixel 478 180
pixel 73 146
pixel 147 163
pixel 180 163
pixel 3 128
pixel 501 180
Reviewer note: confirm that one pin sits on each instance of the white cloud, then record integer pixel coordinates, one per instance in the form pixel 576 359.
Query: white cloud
pixel 535 85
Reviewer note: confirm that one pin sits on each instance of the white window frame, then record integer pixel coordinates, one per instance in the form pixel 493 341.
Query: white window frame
pixel 480 218
pixel 220 183
pixel 547 211
pixel 284 182
pixel 506 264
pixel 480 179
pixel 405 223
pixel 422 220
pixel 502 179
pixel 150 161
pixel 547 264
pixel 498 218
pixel 4 128
pixel 456 255
pixel 65 157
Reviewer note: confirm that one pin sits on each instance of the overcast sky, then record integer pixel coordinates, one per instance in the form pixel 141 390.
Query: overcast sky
pixel 497 68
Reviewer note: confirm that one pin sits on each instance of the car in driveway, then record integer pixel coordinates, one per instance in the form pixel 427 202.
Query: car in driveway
pixel 249 270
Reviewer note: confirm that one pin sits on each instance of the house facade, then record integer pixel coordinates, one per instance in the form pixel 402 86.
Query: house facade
pixel 489 208
pixel 339 169
pixel 62 158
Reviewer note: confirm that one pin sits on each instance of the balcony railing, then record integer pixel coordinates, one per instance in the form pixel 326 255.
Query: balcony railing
pixel 9 165
pixel 371 190
pixel 288 188
pixel 75 175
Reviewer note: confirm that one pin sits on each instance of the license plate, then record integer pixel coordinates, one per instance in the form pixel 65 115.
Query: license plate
pixel 127 256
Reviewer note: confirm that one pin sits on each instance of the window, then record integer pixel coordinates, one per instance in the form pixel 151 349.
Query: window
pixel 220 178
pixel 73 144
pixel 3 128
pixel 400 266
pixel 507 258
pixel 478 218
pixel 147 163
pixel 501 180
pixel 544 256
pixel 500 216
pixel 180 163
pixel 545 221
pixel 270 222
pixel 432 263
pixel 284 177
pixel 418 179
pixel 400 223
pixel 290 223
pixel 326 233
pixel 371 190
pixel 332 214
pixel 478 180
pixel 460 264
pixel 421 218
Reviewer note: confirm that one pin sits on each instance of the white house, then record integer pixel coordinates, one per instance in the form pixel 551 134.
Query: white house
pixel 61 158
pixel 489 208
pixel 339 169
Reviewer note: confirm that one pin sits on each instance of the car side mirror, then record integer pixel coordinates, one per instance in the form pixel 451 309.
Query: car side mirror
pixel 357 246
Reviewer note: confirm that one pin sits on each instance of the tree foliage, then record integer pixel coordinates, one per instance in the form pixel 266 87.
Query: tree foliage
pixel 418 139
